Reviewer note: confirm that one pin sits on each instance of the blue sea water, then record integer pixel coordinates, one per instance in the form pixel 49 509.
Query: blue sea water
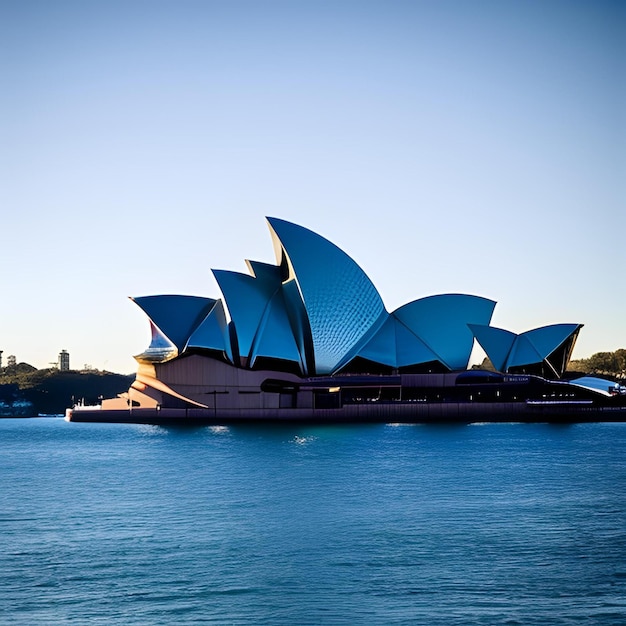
pixel 384 524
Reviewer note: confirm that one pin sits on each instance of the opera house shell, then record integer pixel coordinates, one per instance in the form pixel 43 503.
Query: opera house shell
pixel 311 334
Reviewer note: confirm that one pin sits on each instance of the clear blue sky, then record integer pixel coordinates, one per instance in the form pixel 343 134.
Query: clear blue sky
pixel 449 146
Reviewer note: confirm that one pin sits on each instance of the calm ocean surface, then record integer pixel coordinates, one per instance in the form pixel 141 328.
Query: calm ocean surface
pixel 482 524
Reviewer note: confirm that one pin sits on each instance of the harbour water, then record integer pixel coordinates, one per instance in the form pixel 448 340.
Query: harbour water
pixel 382 524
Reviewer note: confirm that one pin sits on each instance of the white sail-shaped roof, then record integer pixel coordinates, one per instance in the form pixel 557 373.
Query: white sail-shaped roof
pixel 341 302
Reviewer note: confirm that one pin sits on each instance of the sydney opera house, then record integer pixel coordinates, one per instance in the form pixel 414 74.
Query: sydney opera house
pixel 310 339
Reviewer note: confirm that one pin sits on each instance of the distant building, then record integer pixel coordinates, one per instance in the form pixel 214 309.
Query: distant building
pixel 64 361
pixel 11 360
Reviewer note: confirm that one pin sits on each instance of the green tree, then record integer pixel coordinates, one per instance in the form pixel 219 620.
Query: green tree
pixel 605 363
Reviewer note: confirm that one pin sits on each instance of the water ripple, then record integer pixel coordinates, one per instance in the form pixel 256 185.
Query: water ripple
pixel 502 524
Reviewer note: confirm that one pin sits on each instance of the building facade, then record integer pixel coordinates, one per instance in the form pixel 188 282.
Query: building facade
pixel 315 316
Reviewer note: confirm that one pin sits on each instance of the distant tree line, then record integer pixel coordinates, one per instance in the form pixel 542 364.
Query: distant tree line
pixel 53 391
pixel 604 363
pixel 23 375
pixel 607 364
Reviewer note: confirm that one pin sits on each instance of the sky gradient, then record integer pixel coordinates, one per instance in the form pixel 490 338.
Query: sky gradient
pixel 448 147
